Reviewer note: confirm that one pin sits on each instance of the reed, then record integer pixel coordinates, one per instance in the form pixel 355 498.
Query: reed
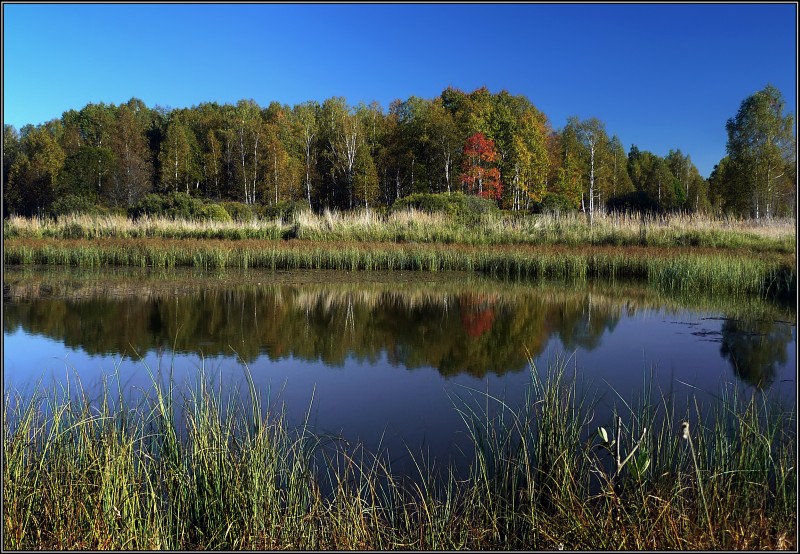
pixel 76 226
pixel 202 468
pixel 666 269
pixel 420 227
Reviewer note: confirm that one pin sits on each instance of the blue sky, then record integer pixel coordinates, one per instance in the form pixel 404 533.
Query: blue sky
pixel 660 76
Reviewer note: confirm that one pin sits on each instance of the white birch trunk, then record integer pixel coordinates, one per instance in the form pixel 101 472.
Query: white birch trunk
pixel 244 168
pixel 591 181
pixel 256 136
pixel 309 136
pixel 175 148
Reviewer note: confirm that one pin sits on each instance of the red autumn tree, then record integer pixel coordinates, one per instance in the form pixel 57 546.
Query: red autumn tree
pixel 480 174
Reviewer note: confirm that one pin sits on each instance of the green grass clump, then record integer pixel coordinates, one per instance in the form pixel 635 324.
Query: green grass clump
pixel 207 469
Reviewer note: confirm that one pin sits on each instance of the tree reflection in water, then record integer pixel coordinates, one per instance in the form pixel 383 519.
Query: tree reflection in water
pixel 456 325
pixel 755 349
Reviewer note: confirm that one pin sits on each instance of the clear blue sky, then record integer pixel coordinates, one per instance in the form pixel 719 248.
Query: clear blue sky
pixel 659 76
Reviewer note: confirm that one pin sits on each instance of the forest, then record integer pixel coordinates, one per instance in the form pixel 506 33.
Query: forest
pixel 104 158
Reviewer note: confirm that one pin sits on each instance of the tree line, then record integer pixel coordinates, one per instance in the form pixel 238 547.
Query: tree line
pixel 338 156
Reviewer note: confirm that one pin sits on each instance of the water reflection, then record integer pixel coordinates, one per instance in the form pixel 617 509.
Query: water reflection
pixel 755 348
pixel 453 331
pixel 456 326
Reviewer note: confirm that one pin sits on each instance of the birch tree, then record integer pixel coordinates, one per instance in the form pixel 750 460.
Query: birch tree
pixel 307 128
pixel 591 134
pixel 760 146
pixel 620 182
pixel 179 155
pixel 245 134
pixel 132 175
pixel 345 137
pixel 444 132
pixel 569 173
pixel 531 159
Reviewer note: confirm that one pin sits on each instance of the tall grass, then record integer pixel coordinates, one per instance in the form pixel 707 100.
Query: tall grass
pixel 674 253
pixel 75 226
pixel 666 269
pixel 417 226
pixel 205 469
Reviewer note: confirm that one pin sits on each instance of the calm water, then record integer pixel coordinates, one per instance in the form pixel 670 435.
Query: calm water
pixel 382 358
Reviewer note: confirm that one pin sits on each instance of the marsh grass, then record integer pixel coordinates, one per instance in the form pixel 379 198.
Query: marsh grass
pixel 202 468
pixel 716 272
pixel 76 226
pixel 677 253
pixel 775 235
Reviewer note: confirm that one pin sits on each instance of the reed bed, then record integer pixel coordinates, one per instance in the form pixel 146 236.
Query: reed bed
pixel 777 235
pixel 199 468
pixel 76 226
pixel 667 269
pixel 421 227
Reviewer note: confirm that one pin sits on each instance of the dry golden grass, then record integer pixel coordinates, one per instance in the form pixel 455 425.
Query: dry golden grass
pixel 415 226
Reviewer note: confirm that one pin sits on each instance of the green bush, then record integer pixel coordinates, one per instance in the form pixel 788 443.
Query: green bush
pixel 467 209
pixel 73 204
pixel 239 211
pixel 431 203
pixel 150 204
pixel 480 205
pixel 178 205
pixel 555 203
pixel 286 210
pixel 215 212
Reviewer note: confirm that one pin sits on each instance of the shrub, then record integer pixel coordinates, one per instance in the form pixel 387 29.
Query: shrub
pixel 239 211
pixel 178 205
pixel 464 208
pixel 150 204
pixel 555 203
pixel 431 203
pixel 634 202
pixel 479 205
pixel 286 210
pixel 73 204
pixel 215 212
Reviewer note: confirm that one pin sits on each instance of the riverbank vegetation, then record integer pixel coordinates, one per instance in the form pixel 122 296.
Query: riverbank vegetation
pixel 668 269
pixel 199 468
pixel 421 226
pixel 673 253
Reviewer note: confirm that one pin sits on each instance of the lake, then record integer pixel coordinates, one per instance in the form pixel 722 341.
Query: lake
pixel 384 358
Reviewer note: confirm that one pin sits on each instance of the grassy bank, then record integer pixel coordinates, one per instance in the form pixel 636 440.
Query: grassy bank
pixel 102 473
pixel 674 269
pixel 677 253
pixel 421 227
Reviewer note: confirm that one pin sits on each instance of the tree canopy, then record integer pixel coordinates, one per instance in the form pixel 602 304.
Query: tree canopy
pixel 761 180
pixel 341 156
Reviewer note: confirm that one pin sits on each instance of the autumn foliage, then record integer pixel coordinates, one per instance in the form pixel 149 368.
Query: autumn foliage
pixel 480 173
